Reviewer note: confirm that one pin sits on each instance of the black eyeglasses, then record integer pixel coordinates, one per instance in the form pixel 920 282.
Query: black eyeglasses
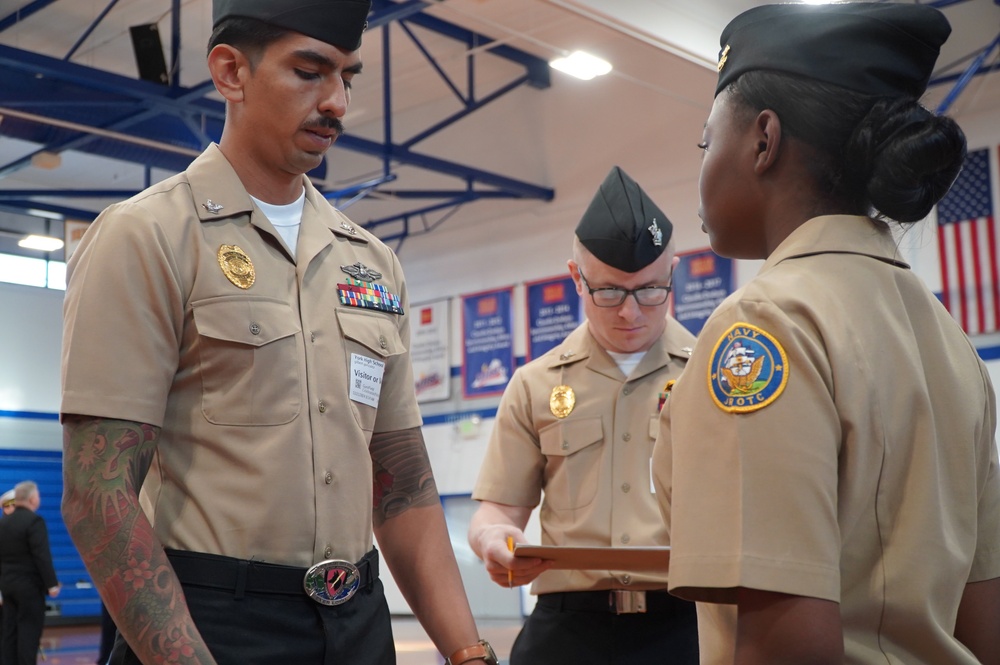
pixel 613 296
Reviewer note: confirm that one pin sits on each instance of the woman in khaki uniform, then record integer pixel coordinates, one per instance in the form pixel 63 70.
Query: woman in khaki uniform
pixel 827 462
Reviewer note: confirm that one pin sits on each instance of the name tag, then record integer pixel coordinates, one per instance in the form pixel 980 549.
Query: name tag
pixel 366 379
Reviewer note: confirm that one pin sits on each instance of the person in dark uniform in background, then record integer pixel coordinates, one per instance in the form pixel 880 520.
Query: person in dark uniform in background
pixel 26 576
pixel 574 432
pixel 827 463
pixel 7 507
pixel 235 337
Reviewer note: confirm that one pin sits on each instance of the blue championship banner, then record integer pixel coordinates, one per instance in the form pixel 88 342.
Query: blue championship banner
pixel 553 313
pixel 488 349
pixel 702 280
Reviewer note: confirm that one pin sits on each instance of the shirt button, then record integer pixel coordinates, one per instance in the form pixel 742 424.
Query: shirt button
pixel 625 539
pixel 627 391
pixel 312 337
pixel 626 579
pixel 322 407
pixel 328 478
pixel 381 341
pixel 565 445
pixel 328 552
pixel 254 329
pixel 626 487
pixel 626 437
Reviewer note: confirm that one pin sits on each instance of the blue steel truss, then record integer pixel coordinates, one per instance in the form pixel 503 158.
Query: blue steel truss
pixel 977 67
pixel 63 106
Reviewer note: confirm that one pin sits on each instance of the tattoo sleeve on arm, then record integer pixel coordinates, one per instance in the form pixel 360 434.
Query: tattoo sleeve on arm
pixel 104 465
pixel 402 474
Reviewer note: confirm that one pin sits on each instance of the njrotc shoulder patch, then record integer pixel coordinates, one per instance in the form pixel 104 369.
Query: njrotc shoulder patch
pixel 749 369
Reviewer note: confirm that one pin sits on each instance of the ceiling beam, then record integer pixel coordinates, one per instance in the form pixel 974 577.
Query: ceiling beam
pixel 24 12
pixel 124 118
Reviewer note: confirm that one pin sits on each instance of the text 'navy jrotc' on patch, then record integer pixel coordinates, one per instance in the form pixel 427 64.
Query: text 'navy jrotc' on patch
pixel 748 371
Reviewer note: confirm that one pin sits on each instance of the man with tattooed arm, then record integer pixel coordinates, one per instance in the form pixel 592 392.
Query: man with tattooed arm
pixel 236 372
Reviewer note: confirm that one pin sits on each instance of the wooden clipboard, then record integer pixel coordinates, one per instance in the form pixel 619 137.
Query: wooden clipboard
pixel 635 559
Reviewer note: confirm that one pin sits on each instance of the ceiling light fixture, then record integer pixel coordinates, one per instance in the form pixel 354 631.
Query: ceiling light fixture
pixel 46 160
pixel 41 243
pixel 582 65
pixel 45 214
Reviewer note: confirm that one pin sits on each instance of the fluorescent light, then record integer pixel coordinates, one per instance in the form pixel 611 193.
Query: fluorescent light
pixel 581 65
pixel 44 214
pixel 41 243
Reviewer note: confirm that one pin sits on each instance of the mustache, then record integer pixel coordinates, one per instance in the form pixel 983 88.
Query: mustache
pixel 326 123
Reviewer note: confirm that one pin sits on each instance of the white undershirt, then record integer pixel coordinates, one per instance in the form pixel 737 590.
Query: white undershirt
pixel 627 361
pixel 286 219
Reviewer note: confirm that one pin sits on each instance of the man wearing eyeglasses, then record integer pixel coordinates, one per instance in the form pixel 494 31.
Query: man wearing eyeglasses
pixel 574 434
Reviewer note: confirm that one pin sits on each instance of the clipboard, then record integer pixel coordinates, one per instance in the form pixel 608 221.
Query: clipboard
pixel 646 559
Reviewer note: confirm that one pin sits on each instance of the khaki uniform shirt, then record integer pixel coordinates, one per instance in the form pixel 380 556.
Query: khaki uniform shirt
pixel 593 465
pixel 860 467
pixel 265 422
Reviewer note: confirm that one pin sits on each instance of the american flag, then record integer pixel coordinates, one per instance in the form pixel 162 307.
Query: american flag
pixel 967 246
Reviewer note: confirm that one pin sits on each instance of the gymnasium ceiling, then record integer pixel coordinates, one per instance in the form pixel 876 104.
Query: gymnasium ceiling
pixel 80 130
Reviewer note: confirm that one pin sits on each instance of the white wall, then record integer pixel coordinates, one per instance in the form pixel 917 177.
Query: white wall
pixel 30 343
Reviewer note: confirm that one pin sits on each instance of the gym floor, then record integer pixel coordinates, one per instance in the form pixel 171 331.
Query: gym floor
pixel 78 645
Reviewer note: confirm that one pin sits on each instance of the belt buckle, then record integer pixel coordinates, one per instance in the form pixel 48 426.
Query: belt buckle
pixel 628 602
pixel 332 582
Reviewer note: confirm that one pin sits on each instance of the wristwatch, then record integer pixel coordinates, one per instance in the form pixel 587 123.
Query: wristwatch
pixel 479 650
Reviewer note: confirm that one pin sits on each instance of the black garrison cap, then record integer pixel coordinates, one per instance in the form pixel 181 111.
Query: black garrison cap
pixel 622 226
pixel 336 22
pixel 882 49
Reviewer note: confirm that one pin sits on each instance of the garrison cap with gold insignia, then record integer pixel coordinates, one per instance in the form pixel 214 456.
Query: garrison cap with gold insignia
pixel 622 227
pixel 884 49
pixel 337 22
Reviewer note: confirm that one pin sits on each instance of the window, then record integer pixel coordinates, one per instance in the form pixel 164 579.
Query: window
pixel 32 272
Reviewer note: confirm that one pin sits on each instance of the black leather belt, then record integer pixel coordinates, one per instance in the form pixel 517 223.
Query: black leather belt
pixel 616 601
pixel 328 582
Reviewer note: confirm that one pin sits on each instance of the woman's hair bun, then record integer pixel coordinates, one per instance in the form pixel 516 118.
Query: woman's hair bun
pixel 905 157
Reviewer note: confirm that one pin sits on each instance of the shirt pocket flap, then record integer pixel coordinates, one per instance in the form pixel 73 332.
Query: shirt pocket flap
pixel 654 426
pixel 373 331
pixel 250 321
pixel 570 436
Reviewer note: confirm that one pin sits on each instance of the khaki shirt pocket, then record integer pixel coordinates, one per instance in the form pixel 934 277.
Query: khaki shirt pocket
pixel 573 461
pixel 373 335
pixel 248 359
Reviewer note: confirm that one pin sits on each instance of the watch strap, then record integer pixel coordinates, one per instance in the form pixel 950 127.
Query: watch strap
pixel 479 650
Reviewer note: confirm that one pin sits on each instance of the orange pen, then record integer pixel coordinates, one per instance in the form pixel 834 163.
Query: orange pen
pixel 510 573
